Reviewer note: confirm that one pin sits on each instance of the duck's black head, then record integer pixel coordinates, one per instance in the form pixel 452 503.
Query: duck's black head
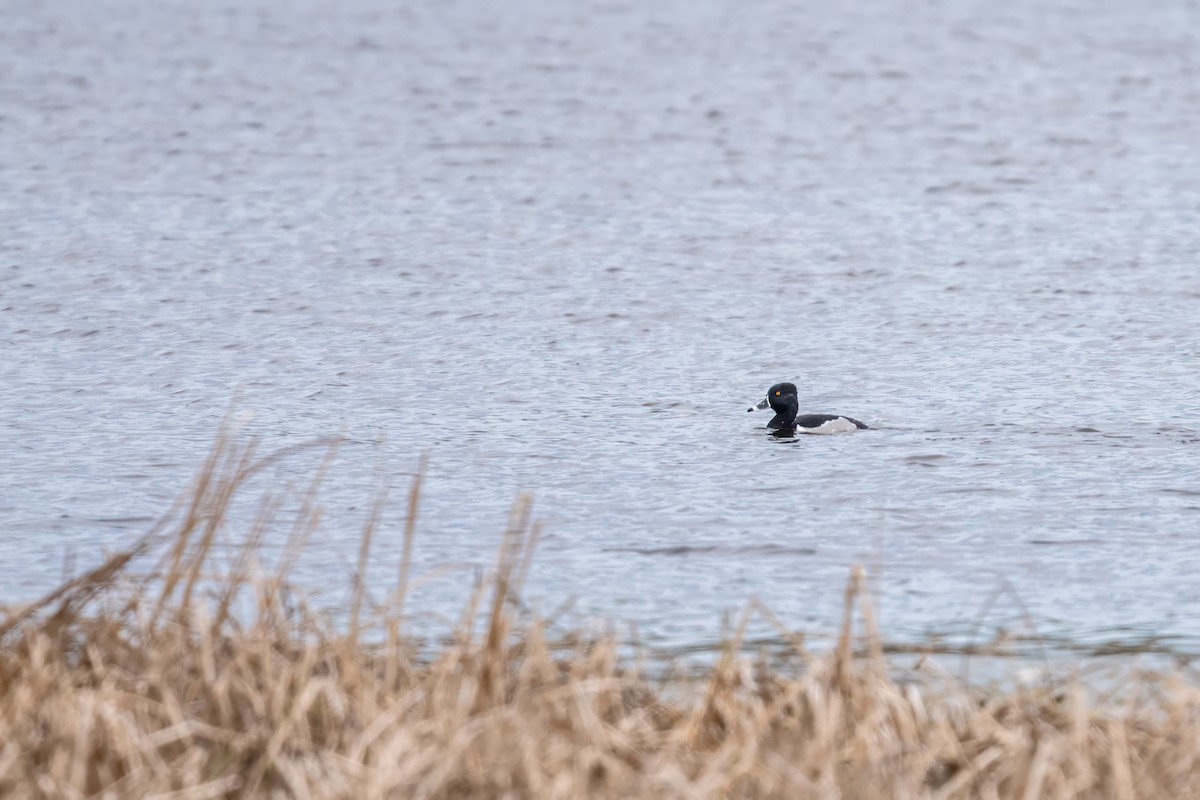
pixel 783 401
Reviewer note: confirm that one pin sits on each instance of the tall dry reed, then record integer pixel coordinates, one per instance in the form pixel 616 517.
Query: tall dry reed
pixel 166 684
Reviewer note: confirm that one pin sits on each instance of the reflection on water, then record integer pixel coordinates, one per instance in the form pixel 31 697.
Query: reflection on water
pixel 558 250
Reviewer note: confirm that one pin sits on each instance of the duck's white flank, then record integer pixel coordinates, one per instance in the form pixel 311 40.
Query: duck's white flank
pixel 839 425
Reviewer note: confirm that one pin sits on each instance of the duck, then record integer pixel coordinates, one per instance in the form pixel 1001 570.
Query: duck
pixel 784 402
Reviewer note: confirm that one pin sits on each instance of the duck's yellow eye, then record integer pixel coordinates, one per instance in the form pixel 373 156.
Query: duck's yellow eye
pixel 777 394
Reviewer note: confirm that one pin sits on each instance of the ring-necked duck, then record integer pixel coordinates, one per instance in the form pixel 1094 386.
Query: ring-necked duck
pixel 783 401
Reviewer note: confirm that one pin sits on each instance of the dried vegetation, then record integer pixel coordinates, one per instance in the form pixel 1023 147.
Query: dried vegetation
pixel 188 681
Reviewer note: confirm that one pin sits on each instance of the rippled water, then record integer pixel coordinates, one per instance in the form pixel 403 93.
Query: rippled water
pixel 562 247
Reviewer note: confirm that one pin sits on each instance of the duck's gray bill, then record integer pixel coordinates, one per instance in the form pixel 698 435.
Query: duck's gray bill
pixel 762 404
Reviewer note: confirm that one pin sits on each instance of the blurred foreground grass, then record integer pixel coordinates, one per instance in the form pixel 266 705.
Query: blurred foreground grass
pixel 189 679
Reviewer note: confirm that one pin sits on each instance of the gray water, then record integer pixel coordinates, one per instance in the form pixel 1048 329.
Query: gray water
pixel 563 247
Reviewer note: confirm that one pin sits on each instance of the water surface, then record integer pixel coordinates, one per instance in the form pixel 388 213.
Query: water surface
pixel 561 248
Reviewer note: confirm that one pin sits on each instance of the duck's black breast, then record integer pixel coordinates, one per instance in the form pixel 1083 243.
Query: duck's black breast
pixel 817 420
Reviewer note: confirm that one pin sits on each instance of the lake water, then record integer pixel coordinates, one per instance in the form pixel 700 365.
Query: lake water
pixel 563 247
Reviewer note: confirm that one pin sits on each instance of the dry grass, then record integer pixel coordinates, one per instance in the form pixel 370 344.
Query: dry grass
pixel 170 685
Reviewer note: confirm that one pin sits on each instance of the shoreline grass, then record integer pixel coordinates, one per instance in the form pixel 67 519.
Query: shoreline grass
pixel 194 679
